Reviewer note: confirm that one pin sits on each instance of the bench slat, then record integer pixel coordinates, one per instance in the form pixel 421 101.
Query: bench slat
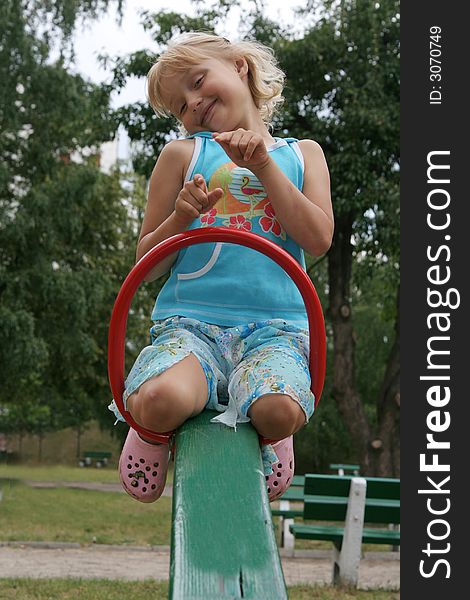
pixel 293 495
pixel 354 469
pixel 333 508
pixel 96 454
pixel 317 532
pixel 327 485
pixel 290 513
pixel 334 485
pixel 382 487
pixel 335 534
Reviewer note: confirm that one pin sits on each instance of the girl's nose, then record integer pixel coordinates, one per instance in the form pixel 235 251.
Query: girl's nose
pixel 195 105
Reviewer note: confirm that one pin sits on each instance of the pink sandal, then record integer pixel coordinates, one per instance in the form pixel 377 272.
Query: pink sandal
pixel 283 471
pixel 143 468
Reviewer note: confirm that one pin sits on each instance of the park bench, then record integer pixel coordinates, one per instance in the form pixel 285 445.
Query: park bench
pixel 295 493
pixel 352 501
pixel 345 469
pixel 90 457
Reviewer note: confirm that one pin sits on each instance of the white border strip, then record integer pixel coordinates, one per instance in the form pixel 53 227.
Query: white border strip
pixel 195 156
pixel 296 148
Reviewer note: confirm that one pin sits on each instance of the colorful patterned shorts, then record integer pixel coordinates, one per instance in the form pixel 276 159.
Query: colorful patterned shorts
pixel 240 363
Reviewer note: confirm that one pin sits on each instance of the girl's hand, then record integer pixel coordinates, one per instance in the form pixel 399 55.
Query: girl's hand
pixel 194 199
pixel 244 147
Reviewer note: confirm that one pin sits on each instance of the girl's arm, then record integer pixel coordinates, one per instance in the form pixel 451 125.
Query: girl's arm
pixel 160 221
pixel 172 205
pixel 307 215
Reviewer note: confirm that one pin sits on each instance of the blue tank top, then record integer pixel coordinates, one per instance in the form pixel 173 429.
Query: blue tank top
pixel 228 284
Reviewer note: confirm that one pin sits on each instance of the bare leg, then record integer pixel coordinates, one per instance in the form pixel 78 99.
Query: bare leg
pixel 166 401
pixel 276 416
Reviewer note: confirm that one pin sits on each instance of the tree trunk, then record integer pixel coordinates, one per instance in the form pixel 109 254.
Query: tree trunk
pixel 384 450
pixel 344 378
pixel 378 452
pixel 40 439
pixel 79 439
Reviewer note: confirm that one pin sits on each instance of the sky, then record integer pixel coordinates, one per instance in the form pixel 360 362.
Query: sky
pixel 105 36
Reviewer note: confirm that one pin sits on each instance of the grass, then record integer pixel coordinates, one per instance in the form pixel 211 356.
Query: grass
pixel 79 589
pixel 83 516
pixel 58 473
pixel 64 473
pixel 88 516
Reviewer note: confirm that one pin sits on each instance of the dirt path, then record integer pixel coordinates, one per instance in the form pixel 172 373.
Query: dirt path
pixel 40 560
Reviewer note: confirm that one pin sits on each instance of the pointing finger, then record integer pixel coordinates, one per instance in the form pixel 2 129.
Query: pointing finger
pixel 199 181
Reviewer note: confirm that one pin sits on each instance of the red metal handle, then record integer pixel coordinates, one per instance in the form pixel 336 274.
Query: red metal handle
pixel 117 327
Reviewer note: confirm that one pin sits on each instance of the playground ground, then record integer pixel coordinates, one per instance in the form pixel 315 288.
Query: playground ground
pixel 59 560
pixel 378 570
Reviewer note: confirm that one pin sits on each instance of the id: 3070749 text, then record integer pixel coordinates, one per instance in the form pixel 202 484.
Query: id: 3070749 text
pixel 435 64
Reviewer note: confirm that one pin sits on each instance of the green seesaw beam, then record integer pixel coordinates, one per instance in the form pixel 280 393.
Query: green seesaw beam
pixel 222 542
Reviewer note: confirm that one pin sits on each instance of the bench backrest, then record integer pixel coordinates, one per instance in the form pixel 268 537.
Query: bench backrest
pixel 326 498
pixel 295 492
pixel 298 480
pixel 346 469
pixel 96 454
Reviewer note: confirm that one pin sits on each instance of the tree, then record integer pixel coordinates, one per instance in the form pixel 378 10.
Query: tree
pixel 65 228
pixel 349 99
pixel 343 90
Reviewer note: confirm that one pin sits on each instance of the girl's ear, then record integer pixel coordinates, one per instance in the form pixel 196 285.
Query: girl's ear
pixel 242 67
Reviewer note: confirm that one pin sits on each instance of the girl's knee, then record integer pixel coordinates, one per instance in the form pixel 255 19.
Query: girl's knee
pixel 162 403
pixel 276 416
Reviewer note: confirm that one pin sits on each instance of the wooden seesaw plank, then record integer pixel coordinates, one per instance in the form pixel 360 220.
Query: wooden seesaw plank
pixel 223 544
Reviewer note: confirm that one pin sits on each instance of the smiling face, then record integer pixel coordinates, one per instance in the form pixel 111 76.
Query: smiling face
pixel 212 95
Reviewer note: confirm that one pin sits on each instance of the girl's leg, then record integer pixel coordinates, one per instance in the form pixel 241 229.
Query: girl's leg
pixel 166 401
pixel 271 385
pixel 276 416
pixel 161 404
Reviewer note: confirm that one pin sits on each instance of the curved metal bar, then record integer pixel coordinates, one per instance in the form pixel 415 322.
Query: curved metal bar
pixel 118 323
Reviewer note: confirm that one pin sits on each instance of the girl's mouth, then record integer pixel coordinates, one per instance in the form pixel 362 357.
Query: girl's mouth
pixel 208 112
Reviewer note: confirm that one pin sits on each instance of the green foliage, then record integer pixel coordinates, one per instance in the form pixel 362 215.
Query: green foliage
pixel 323 441
pixel 66 230
pixel 343 90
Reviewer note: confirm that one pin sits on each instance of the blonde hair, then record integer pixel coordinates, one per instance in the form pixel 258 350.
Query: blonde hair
pixel 265 78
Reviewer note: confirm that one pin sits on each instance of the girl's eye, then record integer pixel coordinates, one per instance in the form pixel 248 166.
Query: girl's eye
pixel 199 81
pixel 183 108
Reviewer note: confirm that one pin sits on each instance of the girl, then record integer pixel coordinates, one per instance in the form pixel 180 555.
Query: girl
pixel 230 328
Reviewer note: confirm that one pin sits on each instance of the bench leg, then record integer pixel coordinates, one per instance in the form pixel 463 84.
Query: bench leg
pixel 287 539
pixel 346 561
pixel 393 527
